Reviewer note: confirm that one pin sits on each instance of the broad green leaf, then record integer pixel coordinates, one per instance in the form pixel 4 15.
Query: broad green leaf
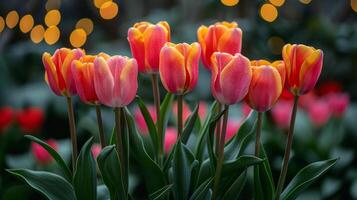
pixel 190 124
pixel 62 164
pixel 162 193
pixel 51 185
pixel 305 177
pixel 85 177
pixel 165 109
pixel 154 177
pixel 236 188
pixel 239 164
pixel 109 166
pixel 201 192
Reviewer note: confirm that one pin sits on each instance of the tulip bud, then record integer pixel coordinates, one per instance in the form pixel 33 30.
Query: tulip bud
pixel 170 138
pixel 58 73
pixel 6 118
pixel 220 37
pixel 265 87
pixel 30 120
pixel 146 40
pixel 40 154
pixel 303 66
pixel 179 67
pixel 231 76
pixel 115 80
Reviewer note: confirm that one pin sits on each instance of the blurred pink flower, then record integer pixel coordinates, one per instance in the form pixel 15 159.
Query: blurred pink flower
pixel 140 120
pixel 281 113
pixel 245 109
pixel 338 103
pixel 170 138
pixel 40 154
pixel 319 112
pixel 232 129
pixel 96 149
pixel 305 101
pixel 186 111
pixel 202 110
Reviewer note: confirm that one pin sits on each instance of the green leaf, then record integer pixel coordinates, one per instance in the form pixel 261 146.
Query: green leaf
pixel 236 188
pixel 164 115
pixel 149 122
pixel 239 165
pixel 305 177
pixel 62 164
pixel 190 124
pixel 201 192
pixel 109 166
pixel 154 177
pixel 85 177
pixel 51 185
pixel 161 194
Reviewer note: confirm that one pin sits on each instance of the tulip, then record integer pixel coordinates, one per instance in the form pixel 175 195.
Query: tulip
pixel 40 154
pixel 265 87
pixel 319 112
pixel 30 119
pixel 96 149
pixel 170 139
pixel 179 67
pixel 58 70
pixel 303 66
pixel 281 113
pixel 329 87
pixel 6 118
pixel 338 103
pixel 219 37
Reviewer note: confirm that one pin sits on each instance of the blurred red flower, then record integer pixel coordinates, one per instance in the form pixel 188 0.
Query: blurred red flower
pixel 40 154
pixel 6 118
pixel 338 103
pixel 30 120
pixel 96 149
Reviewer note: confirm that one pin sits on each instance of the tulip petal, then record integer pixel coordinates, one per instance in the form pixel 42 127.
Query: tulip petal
pixel 192 61
pixel 103 81
pixel 219 61
pixel 75 54
pixel 116 65
pixel 230 41
pixel 280 66
pixel 83 77
pixel 136 41
pixel 155 37
pixel 310 71
pixel 128 83
pixel 50 74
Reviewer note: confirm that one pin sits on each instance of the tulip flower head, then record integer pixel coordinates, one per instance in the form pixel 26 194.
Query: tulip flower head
pixel 115 80
pixel 303 66
pixel 83 75
pixel 338 103
pixel 219 37
pixel 6 118
pixel 30 120
pixel 319 112
pixel 58 73
pixel 40 154
pixel 146 41
pixel 231 76
pixel 179 67
pixel 266 85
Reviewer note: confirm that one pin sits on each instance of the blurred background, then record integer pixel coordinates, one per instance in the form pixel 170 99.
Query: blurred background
pixel 326 123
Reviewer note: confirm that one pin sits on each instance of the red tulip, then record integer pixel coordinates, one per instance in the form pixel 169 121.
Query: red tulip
pixel 328 88
pixel 179 67
pixel 58 73
pixel 115 80
pixel 220 37
pixel 6 118
pixel 338 103
pixel 281 113
pixel 30 120
pixel 231 76
pixel 140 121
pixel 303 65
pixel 319 113
pixel 40 154
pixel 170 138
pixel 146 41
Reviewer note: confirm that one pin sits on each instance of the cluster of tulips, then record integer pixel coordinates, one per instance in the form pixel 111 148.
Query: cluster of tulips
pixel 112 81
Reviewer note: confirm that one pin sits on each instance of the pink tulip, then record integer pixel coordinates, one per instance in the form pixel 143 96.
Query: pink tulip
pixel 140 121
pixel 40 154
pixel 170 138
pixel 245 109
pixel 307 100
pixel 96 149
pixel 319 112
pixel 232 129
pixel 338 103
pixel 281 113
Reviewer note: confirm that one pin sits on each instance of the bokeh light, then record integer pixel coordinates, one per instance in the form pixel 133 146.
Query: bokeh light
pixel 229 2
pixel 305 1
pixel 37 34
pixel 26 23
pixel 52 35
pixel 354 5
pixel 109 10
pixel 86 24
pixel 78 37
pixel 53 18
pixel 12 19
pixel 53 4
pixel 276 44
pixel 277 3
pixel 2 24
pixel 99 3
pixel 268 12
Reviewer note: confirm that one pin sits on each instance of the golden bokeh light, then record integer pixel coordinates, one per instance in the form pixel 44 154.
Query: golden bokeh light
pixel 2 24
pixel 99 3
pixel 52 18
pixel 86 24
pixel 26 23
pixel 305 1
pixel 12 18
pixel 276 44
pixel 354 5
pixel 37 34
pixel 268 12
pixel 52 34
pixel 109 10
pixel 277 3
pixel 78 37
pixel 229 2
pixel 53 4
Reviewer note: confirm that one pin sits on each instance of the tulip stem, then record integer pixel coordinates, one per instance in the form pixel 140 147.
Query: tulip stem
pixel 258 133
pixel 100 126
pixel 218 128
pixel 156 93
pixel 118 132
pixel 179 116
pixel 72 128
pixel 217 176
pixel 287 150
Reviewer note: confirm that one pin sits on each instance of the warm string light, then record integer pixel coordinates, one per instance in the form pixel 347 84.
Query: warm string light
pixel 26 23
pixel 78 37
pixel 108 10
pixel 12 18
pixel 229 2
pixel 305 1
pixel 2 24
pixel 86 24
pixel 277 3
pixel 268 12
pixel 52 35
pixel 354 5
pixel 37 33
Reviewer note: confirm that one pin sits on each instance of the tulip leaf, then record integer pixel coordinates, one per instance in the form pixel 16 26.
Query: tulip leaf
pixel 240 164
pixel 305 177
pixel 109 166
pixel 201 193
pixel 51 185
pixel 190 124
pixel 85 176
pixel 162 193
pixel 154 177
pixel 149 123
pixel 236 188
pixel 164 116
pixel 67 173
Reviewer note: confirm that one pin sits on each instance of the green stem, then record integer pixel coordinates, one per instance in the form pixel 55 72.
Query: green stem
pixel 100 126
pixel 179 116
pixel 257 138
pixel 287 150
pixel 217 175
pixel 72 128
pixel 218 128
pixel 156 94
pixel 118 132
